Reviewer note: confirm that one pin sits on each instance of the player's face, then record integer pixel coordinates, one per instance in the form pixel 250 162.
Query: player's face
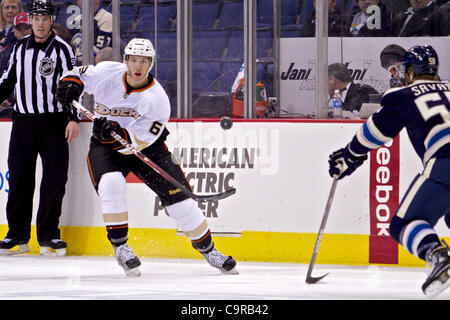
pixel 41 26
pixel 138 67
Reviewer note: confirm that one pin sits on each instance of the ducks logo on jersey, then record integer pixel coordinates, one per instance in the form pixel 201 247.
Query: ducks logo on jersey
pixel 116 112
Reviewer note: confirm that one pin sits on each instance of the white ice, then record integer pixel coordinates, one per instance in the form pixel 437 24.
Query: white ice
pixel 84 277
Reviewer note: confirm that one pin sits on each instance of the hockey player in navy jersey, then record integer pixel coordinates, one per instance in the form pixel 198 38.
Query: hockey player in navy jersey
pixel 423 108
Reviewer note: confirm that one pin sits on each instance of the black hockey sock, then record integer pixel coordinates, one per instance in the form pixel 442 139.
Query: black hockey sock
pixel 204 244
pixel 117 235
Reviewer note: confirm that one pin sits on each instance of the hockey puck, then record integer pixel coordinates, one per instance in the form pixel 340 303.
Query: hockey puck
pixel 226 123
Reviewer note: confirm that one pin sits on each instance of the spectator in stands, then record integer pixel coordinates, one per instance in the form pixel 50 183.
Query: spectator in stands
pixel 365 22
pixel 336 22
pixel 21 28
pixel 9 9
pixel 423 18
pixel 390 58
pixel 396 6
pixel 446 8
pixel 102 31
pixel 353 94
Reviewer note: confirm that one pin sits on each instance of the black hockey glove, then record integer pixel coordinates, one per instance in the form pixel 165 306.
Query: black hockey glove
pixel 69 89
pixel 342 163
pixel 102 129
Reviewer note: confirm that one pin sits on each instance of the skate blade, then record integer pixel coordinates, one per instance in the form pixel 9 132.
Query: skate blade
pixel 135 272
pixel 232 271
pixel 437 287
pixel 22 249
pixel 47 251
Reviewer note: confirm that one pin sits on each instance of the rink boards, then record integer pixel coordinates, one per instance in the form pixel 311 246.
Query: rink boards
pixel 279 169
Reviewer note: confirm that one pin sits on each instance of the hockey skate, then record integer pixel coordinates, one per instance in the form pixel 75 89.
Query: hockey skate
pixel 54 247
pixel 7 244
pixel 439 278
pixel 226 264
pixel 127 260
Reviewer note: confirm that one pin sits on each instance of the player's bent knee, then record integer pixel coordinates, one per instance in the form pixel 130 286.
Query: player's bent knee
pixel 187 214
pixel 112 190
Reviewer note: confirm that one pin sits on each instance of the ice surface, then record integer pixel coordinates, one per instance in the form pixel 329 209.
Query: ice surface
pixel 84 277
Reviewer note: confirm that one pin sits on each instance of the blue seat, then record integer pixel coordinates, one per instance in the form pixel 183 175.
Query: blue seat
pixel 264 43
pixel 235 48
pixel 166 45
pixel 128 15
pixel 205 76
pixel 128 12
pixel 306 10
pixel 209 44
pixel 166 71
pixel 145 19
pixel 289 10
pixel 204 15
pixel 228 75
pixel 150 35
pixel 231 15
pixel 167 17
pixel 264 12
pixel 62 16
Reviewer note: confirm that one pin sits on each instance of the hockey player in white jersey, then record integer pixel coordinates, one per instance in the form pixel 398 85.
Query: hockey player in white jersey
pixel 132 103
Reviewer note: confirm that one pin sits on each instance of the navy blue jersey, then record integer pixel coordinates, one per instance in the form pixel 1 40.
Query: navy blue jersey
pixel 423 108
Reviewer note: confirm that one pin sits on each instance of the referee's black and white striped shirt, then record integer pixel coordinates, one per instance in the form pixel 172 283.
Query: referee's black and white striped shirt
pixel 34 71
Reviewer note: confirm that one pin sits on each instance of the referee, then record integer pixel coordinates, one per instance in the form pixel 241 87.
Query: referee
pixel 40 126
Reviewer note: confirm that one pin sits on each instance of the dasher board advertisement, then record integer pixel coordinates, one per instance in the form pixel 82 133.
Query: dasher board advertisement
pixel 298 65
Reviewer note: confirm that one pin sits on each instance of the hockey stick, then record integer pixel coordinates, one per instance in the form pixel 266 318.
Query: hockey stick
pixel 309 278
pixel 155 167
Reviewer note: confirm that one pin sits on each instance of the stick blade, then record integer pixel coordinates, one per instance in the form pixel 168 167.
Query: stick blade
pixel 312 280
pixel 218 196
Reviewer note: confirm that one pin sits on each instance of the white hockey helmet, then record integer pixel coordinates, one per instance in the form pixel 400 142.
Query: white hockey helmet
pixel 140 47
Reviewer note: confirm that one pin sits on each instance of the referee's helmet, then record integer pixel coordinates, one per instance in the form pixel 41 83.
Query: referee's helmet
pixel 42 7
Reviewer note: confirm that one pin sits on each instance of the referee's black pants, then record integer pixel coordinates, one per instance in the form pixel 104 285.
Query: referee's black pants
pixel 33 135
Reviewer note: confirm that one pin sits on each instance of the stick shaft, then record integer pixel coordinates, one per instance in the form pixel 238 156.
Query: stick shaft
pixel 309 278
pixel 154 166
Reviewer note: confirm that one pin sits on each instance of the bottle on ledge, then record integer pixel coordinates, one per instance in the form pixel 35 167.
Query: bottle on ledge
pixel 337 105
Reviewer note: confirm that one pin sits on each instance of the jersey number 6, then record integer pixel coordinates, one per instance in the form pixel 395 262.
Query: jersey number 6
pixel 156 128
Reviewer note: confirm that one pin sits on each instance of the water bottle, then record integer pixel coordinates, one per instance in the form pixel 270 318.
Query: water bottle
pixel 337 105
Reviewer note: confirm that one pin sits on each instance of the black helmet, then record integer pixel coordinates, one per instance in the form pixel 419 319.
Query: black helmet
pixel 423 59
pixel 42 7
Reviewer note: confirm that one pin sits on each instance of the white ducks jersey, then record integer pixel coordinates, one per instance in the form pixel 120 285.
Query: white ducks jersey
pixel 142 112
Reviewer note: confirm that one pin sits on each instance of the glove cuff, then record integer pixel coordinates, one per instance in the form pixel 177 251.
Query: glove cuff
pixel 356 155
pixel 74 79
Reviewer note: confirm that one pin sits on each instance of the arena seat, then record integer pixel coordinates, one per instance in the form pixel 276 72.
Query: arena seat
pixel 209 44
pixel 231 15
pixel 204 15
